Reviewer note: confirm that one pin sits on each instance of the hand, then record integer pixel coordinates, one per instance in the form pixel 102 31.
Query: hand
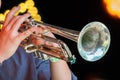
pixel 10 38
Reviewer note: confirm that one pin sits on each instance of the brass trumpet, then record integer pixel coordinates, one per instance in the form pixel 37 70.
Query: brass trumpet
pixel 93 41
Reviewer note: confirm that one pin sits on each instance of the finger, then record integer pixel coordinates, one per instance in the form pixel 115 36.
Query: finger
pixel 12 22
pixel 25 34
pixel 19 21
pixel 10 15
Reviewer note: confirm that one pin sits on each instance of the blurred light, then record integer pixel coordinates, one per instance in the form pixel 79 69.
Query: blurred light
pixel 112 7
pixel 28 6
pixel 23 8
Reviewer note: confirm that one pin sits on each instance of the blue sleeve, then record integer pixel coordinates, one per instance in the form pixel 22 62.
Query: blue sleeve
pixel 43 70
pixel 74 77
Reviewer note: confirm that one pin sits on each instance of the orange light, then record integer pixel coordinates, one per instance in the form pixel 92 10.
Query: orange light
pixel 112 7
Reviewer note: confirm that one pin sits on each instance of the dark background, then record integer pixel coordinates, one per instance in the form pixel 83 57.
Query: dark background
pixel 75 14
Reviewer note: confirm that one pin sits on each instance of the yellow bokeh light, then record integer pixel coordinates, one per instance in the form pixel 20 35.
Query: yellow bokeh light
pixel 23 7
pixel 37 17
pixel 28 5
pixel 33 11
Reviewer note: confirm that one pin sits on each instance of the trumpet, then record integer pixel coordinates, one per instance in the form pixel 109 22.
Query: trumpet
pixel 93 41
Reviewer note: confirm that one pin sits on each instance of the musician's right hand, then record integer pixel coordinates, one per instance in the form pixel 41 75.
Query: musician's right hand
pixel 10 38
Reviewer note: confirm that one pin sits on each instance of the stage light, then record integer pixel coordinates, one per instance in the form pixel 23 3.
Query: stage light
pixel 112 7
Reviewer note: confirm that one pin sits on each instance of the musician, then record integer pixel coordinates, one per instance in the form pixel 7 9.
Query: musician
pixel 16 64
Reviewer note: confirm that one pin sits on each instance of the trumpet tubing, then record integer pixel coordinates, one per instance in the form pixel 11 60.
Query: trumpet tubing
pixel 93 41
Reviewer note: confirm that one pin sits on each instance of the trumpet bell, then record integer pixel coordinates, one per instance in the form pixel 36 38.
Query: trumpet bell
pixel 93 41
